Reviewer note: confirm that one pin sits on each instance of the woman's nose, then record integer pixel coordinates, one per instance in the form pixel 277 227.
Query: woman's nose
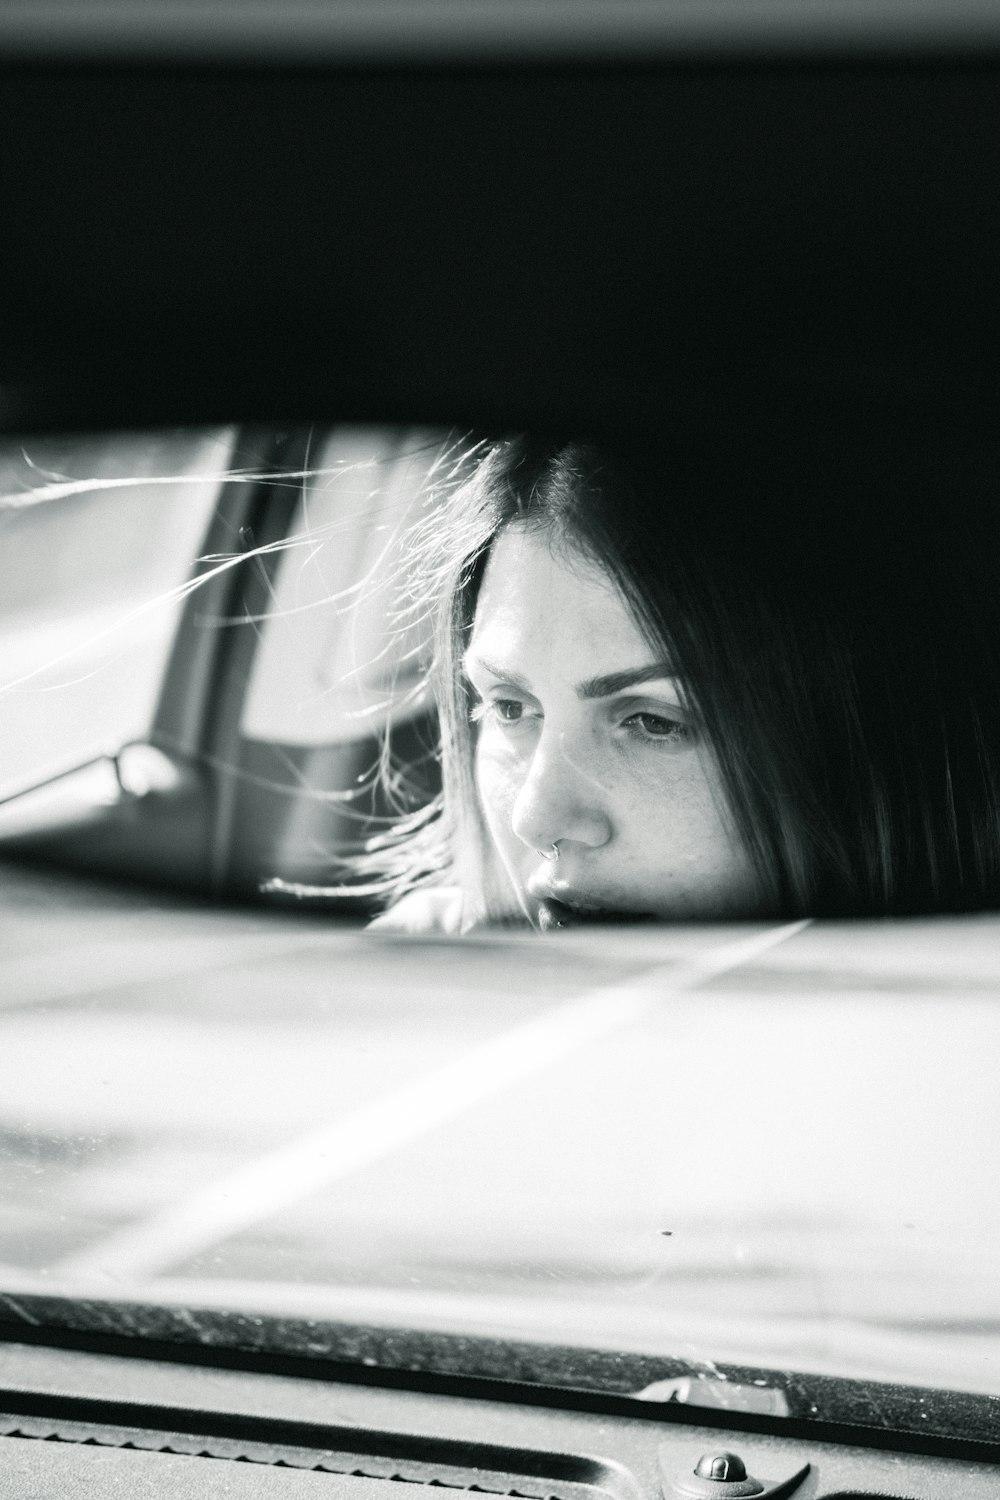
pixel 560 799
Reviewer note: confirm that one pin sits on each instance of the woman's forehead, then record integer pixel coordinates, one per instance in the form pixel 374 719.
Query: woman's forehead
pixel 539 597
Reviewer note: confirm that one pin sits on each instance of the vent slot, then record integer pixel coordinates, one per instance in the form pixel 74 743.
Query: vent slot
pixel 371 1456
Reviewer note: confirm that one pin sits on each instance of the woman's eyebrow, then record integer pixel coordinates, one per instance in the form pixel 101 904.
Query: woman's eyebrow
pixel 604 686
pixel 616 682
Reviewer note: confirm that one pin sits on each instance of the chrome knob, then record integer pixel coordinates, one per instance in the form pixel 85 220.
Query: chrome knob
pixel 721 1474
pixel 725 1466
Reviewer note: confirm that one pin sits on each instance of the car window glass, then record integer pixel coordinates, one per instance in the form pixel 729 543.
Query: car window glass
pixel 341 657
pixel 336 640
pixel 96 535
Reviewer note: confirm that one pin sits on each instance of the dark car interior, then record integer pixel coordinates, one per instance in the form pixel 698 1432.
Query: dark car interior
pixel 703 228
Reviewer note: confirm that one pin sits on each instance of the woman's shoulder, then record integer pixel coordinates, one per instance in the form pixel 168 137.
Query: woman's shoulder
pixel 435 909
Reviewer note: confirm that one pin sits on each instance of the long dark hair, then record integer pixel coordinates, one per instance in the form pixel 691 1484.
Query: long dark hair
pixel 835 614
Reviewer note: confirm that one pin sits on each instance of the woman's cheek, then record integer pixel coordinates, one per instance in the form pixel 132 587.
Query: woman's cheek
pixel 497 781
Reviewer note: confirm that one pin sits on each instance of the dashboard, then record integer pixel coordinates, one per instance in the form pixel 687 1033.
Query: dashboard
pixel 77 1422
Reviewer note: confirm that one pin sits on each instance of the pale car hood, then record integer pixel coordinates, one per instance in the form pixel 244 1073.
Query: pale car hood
pixel 774 1147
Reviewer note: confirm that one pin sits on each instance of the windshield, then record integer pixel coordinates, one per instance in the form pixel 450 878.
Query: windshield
pixel 684 1111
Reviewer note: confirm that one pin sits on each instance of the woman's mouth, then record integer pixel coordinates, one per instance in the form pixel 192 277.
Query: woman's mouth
pixel 554 914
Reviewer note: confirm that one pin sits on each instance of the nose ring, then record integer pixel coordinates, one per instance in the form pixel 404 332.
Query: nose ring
pixel 551 853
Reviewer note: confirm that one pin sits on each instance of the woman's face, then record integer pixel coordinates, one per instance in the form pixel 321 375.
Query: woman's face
pixel 585 743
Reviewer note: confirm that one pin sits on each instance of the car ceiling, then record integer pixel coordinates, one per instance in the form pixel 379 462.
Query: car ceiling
pixel 471 29
pixel 209 232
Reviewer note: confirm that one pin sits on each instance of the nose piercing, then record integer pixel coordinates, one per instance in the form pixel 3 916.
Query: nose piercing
pixel 551 853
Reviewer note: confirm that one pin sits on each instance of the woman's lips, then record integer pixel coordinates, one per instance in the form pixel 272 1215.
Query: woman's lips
pixel 555 914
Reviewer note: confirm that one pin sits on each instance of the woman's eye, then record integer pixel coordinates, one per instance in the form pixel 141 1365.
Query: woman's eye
pixel 508 710
pixel 647 726
pixel 501 710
